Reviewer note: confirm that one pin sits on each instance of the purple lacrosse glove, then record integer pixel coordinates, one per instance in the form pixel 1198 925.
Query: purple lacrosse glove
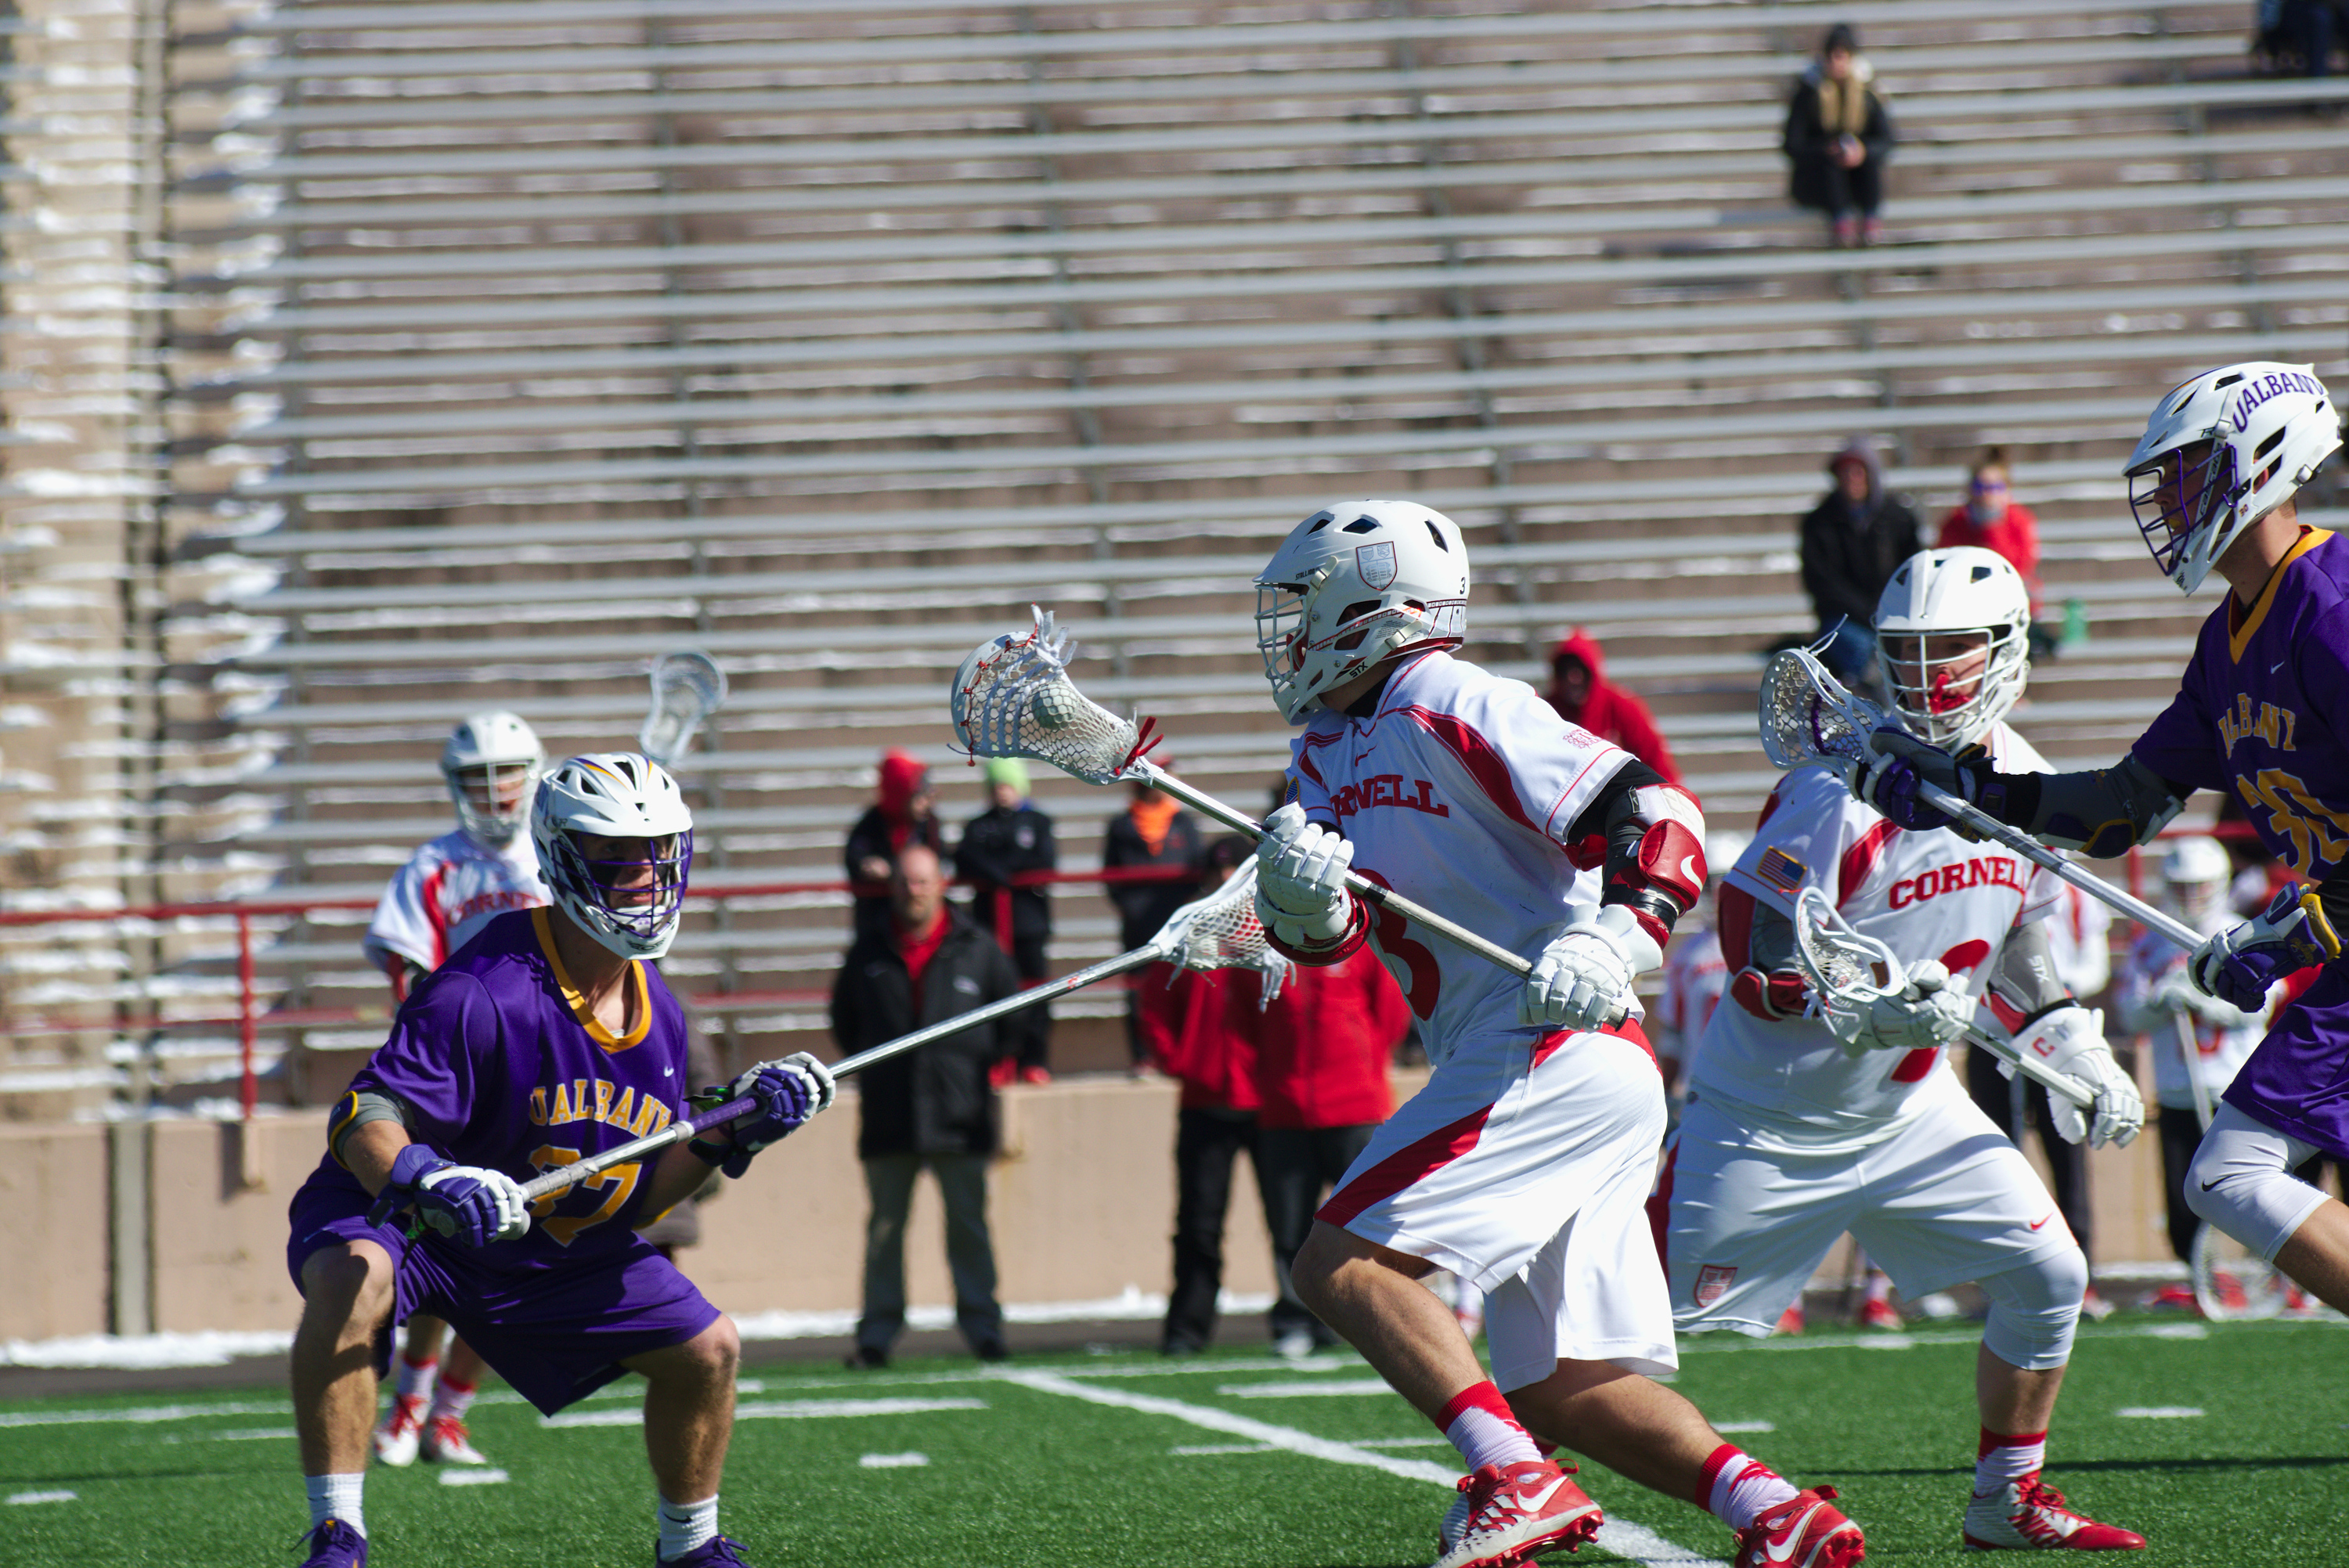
pixel 1897 764
pixel 789 1091
pixel 2239 964
pixel 465 1204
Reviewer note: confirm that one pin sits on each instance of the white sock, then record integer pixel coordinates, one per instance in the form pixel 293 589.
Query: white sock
pixel 1480 1425
pixel 1740 1489
pixel 2007 1457
pixel 409 1380
pixel 335 1497
pixel 685 1525
pixel 452 1399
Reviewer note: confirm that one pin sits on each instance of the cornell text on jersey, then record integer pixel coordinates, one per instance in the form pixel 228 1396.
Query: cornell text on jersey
pixel 1387 790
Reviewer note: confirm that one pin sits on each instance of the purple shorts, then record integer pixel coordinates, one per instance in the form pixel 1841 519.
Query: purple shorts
pixel 556 1334
pixel 2297 1081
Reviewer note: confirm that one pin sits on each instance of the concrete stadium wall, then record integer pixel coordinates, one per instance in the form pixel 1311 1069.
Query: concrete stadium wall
pixel 1083 1205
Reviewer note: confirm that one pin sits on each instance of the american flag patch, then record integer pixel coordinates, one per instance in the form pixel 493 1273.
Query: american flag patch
pixel 1781 870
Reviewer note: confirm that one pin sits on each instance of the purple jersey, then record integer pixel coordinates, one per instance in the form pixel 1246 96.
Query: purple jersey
pixel 2263 711
pixel 501 1065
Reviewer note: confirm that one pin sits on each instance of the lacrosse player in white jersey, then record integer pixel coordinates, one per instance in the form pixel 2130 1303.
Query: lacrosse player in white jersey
pixel 1800 1128
pixel 1524 1165
pixel 1695 977
pixel 448 890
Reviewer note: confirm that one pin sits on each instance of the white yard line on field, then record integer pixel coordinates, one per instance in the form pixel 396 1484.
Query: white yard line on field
pixel 2158 1412
pixel 1633 1541
pixel 776 1411
pixel 1293 1390
pixel 141 1415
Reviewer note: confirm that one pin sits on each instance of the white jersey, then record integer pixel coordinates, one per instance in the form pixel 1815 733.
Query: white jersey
pixel 1925 896
pixel 2079 936
pixel 2219 1054
pixel 1459 792
pixel 444 896
pixel 1695 976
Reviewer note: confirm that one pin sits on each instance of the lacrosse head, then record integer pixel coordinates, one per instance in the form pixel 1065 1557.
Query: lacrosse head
pixel 1807 716
pixel 1221 931
pixel 1013 697
pixel 687 687
pixel 1847 973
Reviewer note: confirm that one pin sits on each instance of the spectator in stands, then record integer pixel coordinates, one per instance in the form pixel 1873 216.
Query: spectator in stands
pixel 903 813
pixel 931 1107
pixel 1152 832
pixel 1009 838
pixel 1581 691
pixel 1201 1034
pixel 1323 1048
pixel 1990 519
pixel 1851 542
pixel 1838 140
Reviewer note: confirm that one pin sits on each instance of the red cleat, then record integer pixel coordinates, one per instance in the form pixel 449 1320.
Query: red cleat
pixel 1878 1313
pixel 1517 1511
pixel 1791 1320
pixel 1807 1530
pixel 2028 1515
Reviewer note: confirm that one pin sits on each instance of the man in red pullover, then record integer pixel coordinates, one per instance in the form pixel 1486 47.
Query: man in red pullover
pixel 1580 690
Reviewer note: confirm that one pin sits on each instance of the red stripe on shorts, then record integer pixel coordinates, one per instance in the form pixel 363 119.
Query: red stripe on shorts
pixel 1422 1156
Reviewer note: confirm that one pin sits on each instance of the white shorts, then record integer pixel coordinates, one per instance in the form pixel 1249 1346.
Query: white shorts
pixel 1524 1168
pixel 1946 1199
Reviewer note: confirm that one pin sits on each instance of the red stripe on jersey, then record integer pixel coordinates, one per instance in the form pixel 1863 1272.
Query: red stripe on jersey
pixel 434 916
pixel 1861 860
pixel 1477 755
pixel 1770 807
pixel 1422 1156
pixel 1305 763
pixel 1917 1064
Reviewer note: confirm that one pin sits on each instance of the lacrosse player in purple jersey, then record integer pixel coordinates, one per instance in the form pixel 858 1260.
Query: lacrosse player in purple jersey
pixel 547 1040
pixel 2263 711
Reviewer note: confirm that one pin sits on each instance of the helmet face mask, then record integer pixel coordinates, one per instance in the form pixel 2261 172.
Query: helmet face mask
pixel 2222 452
pixel 1953 645
pixel 615 845
pixel 490 763
pixel 1352 586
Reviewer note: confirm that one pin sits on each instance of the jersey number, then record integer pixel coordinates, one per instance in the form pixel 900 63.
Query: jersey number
pixel 1422 977
pixel 617 1183
pixel 2319 837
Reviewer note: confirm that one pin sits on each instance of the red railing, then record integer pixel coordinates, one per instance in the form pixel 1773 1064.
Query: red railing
pixel 250 1019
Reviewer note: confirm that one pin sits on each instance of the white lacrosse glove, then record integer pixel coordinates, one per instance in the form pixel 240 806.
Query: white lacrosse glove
pixel 473 1206
pixel 1301 880
pixel 2072 1041
pixel 1586 973
pixel 1927 1012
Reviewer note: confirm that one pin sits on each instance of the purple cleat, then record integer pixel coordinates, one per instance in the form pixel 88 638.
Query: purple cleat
pixel 334 1545
pixel 715 1553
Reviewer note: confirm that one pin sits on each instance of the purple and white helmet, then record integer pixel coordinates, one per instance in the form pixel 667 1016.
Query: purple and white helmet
pixel 2222 452
pixel 615 795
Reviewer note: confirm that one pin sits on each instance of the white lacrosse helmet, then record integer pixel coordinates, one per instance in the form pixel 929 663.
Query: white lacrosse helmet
pixel 2267 427
pixel 1353 583
pixel 2198 874
pixel 489 752
pixel 615 795
pixel 1948 593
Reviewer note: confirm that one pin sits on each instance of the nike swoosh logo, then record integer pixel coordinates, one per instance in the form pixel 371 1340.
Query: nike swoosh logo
pixel 1532 1501
pixel 1783 1551
pixel 2277 666
pixel 2042 1219
pixel 2208 1185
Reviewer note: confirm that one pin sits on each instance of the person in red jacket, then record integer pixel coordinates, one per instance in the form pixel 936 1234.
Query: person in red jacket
pixel 1580 690
pixel 1990 519
pixel 1322 1049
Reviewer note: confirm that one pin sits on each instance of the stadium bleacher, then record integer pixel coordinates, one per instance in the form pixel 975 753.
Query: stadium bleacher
pixel 515 343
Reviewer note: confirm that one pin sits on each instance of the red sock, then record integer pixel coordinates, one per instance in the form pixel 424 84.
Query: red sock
pixel 1485 1429
pixel 2005 1456
pixel 1737 1489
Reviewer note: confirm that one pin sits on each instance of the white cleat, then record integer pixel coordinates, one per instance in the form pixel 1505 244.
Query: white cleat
pixel 2029 1516
pixel 397 1434
pixel 445 1442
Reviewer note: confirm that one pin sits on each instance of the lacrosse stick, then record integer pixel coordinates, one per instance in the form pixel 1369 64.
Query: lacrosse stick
pixel 1849 973
pixel 1013 697
pixel 1217 932
pixel 687 687
pixel 2231 1282
pixel 1807 716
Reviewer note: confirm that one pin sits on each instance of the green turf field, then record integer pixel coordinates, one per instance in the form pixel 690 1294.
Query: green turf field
pixel 1231 1460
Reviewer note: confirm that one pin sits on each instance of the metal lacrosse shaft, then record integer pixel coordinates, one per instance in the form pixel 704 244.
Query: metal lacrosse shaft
pixel 677 1131
pixel 2038 1072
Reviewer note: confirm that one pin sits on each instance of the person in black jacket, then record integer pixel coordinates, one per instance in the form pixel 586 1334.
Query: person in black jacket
pixel 930 1107
pixel 1837 140
pixel 904 811
pixel 1153 831
pixel 1852 543
pixel 1008 839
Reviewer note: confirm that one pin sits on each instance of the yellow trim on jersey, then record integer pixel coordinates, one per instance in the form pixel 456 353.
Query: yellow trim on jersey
pixel 2237 641
pixel 578 1004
